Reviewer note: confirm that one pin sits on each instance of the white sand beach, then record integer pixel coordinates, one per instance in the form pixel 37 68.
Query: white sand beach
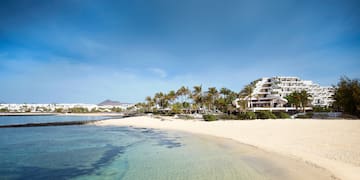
pixel 330 144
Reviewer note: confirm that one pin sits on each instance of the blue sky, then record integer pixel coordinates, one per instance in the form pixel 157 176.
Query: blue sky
pixel 88 51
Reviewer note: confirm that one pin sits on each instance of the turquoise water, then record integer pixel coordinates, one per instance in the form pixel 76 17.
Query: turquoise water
pixel 90 152
pixel 6 120
pixel 93 152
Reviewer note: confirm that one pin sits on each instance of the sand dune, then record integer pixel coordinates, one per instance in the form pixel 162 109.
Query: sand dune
pixel 330 144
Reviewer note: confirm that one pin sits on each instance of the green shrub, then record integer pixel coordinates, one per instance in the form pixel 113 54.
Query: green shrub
pixel 115 109
pixel 231 116
pixel 265 115
pixel 321 109
pixel 209 117
pixel 241 116
pixel 226 116
pixel 246 115
pixel 59 110
pixel 250 115
pixel 223 116
pixel 94 110
pixel 78 110
pixel 282 115
pixel 4 110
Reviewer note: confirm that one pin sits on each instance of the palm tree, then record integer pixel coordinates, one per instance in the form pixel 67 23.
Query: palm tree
pixel 294 99
pixel 197 89
pixel 247 93
pixel 161 100
pixel 225 92
pixel 304 99
pixel 197 96
pixel 225 100
pixel 166 99
pixel 149 102
pixel 172 96
pixel 213 95
pixel 184 93
pixel 140 107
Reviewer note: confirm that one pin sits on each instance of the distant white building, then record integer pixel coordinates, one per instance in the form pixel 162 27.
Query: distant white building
pixel 63 107
pixel 89 107
pixel 109 104
pixel 270 93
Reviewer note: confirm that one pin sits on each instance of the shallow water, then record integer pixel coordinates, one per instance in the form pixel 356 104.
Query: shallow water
pixel 91 152
pixel 7 120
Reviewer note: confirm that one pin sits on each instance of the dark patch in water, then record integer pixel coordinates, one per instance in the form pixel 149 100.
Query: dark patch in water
pixel 109 155
pixel 147 131
pixel 162 138
pixel 169 143
pixel 32 172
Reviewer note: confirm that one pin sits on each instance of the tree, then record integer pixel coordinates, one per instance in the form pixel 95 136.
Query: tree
pixel 161 100
pixel 4 110
pixel 347 96
pixel 140 107
pixel 304 99
pixel 118 109
pixel 225 92
pixel 172 96
pixel 224 103
pixel 176 108
pixel 299 99
pixel 247 93
pixel 213 94
pixel 294 99
pixel 149 103
pixel 197 97
pixel 59 110
pixel 184 93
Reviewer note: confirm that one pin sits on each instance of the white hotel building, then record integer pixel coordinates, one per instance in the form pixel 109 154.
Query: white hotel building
pixel 270 93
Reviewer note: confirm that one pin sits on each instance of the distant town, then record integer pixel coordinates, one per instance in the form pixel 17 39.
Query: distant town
pixel 105 106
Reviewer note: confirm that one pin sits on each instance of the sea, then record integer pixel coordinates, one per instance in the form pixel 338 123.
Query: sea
pixel 130 153
pixel 9 120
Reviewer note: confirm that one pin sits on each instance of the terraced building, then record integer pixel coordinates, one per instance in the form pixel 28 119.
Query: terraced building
pixel 270 93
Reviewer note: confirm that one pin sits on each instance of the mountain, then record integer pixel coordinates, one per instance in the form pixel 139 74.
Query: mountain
pixel 109 102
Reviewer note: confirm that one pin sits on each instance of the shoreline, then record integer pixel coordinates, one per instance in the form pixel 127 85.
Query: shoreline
pixel 332 145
